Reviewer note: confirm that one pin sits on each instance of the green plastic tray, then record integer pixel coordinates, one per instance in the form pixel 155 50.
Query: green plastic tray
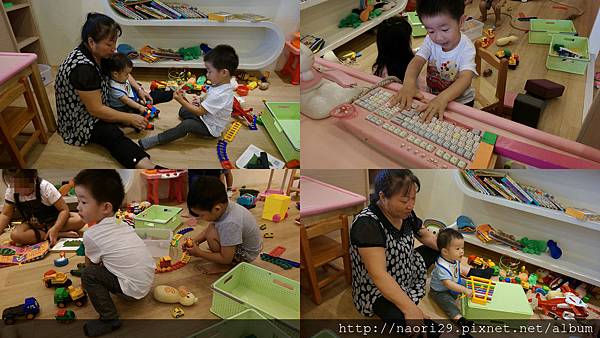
pixel 246 323
pixel 417 26
pixel 541 30
pixel 247 286
pixel 282 121
pixel 159 216
pixel 567 64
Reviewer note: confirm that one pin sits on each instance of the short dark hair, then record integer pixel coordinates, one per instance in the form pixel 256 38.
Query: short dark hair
pixel 394 181
pixel 454 8
pixel 99 27
pixel 118 62
pixel 29 174
pixel 205 193
pixel 445 236
pixel 104 185
pixel 223 57
pixel 394 51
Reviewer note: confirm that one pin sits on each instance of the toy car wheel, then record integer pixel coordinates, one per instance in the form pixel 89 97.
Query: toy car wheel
pixel 9 321
pixel 29 316
pixel 61 305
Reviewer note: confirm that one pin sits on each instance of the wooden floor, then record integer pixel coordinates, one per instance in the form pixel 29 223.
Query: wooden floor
pixel 19 282
pixel 337 298
pixel 562 116
pixel 189 152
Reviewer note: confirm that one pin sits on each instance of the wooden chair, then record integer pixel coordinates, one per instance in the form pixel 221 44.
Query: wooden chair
pixel 295 176
pixel 318 250
pixel 500 107
pixel 13 121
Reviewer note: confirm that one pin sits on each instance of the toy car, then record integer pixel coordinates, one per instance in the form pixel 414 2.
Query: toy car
pixel 65 316
pixel 63 296
pixel 177 312
pixel 55 279
pixel 29 309
pixel 175 240
pixel 568 307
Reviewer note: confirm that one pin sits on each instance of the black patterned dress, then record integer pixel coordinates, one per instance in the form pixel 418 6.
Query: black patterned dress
pixel 75 123
pixel 372 229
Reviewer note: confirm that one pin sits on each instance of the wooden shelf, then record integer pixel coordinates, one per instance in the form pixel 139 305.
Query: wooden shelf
pixel 561 265
pixel 24 42
pixel 533 209
pixel 15 7
pixel 323 20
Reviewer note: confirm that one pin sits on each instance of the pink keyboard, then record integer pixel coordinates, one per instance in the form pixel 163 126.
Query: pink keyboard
pixel 400 134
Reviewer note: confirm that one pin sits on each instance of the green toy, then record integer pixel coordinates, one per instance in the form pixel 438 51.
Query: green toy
pixel 496 270
pixel 375 13
pixel 352 20
pixel 533 246
pixel 81 250
pixel 192 53
pixel 533 279
pixel 7 252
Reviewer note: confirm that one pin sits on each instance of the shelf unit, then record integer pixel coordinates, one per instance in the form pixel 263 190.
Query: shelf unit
pixel 19 31
pixel 258 44
pixel 578 240
pixel 321 18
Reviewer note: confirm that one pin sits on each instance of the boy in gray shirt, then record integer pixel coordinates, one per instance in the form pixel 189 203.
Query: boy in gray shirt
pixel 232 235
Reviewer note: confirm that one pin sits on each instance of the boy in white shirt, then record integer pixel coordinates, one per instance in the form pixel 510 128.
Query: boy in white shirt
pixel 212 116
pixel 450 58
pixel 117 260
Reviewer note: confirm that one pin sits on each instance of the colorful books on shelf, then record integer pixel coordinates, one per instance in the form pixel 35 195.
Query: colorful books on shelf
pixel 157 10
pixel 499 183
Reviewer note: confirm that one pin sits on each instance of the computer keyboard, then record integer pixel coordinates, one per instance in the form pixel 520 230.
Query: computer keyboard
pixel 436 144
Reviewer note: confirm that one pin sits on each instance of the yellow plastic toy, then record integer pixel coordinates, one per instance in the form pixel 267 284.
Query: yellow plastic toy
pixel 233 130
pixel 483 289
pixel 276 207
pixel 252 85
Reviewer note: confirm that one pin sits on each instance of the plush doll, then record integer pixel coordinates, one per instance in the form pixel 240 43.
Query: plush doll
pixel 168 294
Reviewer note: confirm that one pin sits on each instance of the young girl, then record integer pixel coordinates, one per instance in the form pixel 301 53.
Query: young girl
pixel 393 47
pixel 44 212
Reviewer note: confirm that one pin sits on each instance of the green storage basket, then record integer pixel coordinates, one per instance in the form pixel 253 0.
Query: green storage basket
pixel 418 29
pixel 568 64
pixel 247 286
pixel 282 121
pixel 159 217
pixel 246 323
pixel 541 30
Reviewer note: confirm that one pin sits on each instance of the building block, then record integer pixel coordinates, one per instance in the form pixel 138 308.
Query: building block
pixel 233 130
pixel 482 156
pixel 276 207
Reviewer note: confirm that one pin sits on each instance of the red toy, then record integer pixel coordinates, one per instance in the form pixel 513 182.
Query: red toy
pixel 563 307
pixel 238 111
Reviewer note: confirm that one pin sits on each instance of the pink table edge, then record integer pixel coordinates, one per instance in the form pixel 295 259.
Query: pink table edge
pixel 484 117
pixel 309 211
pixel 13 63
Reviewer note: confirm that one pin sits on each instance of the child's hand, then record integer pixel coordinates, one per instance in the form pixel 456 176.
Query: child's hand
pixel 142 109
pixel 193 250
pixel 436 106
pixel 178 96
pixel 405 96
pixel 468 292
pixel 52 235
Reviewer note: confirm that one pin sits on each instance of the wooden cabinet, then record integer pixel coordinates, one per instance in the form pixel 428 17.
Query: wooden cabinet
pixel 19 31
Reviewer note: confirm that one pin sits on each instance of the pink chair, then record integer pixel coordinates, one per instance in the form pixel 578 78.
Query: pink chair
pixel 292 66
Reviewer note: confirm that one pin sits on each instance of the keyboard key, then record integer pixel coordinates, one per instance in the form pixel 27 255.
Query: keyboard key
pixel 403 133
pixel 430 147
pixel 462 164
pixel 447 156
pixel 460 151
pixel 424 144
pixel 439 153
pixel 454 160
pixel 453 148
pixel 411 138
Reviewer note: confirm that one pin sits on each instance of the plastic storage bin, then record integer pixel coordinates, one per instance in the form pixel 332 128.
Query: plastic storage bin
pixel 159 217
pixel 568 64
pixel 246 323
pixel 472 29
pixel 509 305
pixel 250 287
pixel 282 121
pixel 541 30
pixel 158 241
pixel 417 26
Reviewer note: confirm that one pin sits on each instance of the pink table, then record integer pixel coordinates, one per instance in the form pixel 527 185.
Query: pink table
pixel 327 145
pixel 14 66
pixel 320 200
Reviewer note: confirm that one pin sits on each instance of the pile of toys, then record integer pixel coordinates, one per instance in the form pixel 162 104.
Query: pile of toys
pixel 513 58
pixel 367 10
pixel 151 54
pixel 128 215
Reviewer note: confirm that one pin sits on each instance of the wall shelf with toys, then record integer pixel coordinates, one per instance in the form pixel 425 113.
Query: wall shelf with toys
pixel 258 44
pixel 309 3
pixel 534 209
pixel 577 240
pixel 326 26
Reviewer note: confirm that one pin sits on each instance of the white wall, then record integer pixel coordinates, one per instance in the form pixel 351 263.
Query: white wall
pixel 60 21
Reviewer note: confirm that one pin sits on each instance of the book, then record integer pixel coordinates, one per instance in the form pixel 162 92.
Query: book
pixel 251 17
pixel 483 185
pixel 583 214
pixel 220 16
pixel 516 185
pixel 489 173
pixel 494 185
pixel 511 187
pixel 473 182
